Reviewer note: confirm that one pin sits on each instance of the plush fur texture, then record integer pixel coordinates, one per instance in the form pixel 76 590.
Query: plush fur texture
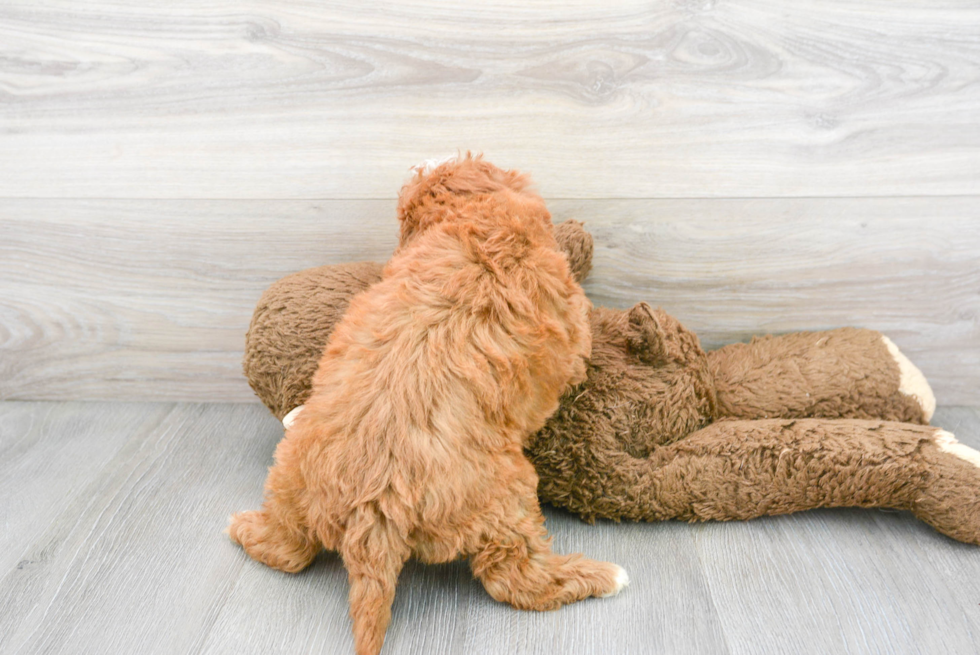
pixel 654 432
pixel 660 429
pixel 837 373
pixel 411 442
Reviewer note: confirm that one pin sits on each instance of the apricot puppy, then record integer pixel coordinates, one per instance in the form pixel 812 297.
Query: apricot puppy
pixel 411 444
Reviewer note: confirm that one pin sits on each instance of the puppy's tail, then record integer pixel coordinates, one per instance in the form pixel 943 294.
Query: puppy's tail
pixel 374 554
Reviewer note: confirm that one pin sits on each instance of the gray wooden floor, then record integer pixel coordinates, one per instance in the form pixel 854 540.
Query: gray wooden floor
pixel 112 542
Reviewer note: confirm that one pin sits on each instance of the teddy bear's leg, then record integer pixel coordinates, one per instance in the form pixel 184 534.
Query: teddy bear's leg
pixel 374 554
pixel 737 470
pixel 950 502
pixel 844 373
pixel 278 534
pixel 516 566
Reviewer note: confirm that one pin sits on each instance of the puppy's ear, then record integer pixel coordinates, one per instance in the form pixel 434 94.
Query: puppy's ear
pixel 647 336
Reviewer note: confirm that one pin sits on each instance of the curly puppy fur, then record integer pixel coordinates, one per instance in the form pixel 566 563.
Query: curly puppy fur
pixel 412 441
pixel 296 316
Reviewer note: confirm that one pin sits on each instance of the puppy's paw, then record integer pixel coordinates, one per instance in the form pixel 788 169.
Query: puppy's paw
pixel 234 527
pixel 270 543
pixel 242 527
pixel 621 580
pixel 600 579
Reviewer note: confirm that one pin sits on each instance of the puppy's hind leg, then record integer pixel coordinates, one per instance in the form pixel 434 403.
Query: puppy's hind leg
pixel 277 535
pixel 374 554
pixel 518 567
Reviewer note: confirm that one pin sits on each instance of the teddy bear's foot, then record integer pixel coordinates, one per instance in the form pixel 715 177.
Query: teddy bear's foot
pixel 949 444
pixel 950 501
pixel 912 382
pixel 270 543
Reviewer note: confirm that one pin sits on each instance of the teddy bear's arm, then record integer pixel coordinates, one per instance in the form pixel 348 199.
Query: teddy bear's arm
pixel 844 373
pixel 291 325
pixel 737 470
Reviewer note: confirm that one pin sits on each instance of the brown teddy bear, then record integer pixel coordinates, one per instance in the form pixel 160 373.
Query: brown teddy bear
pixel 661 429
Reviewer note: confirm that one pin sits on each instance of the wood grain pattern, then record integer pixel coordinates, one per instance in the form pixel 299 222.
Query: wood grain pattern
pixel 155 295
pixel 37 439
pixel 150 300
pixel 670 98
pixel 133 560
pixel 133 564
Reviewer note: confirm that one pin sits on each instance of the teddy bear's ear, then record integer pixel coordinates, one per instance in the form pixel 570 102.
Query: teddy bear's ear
pixel 577 245
pixel 646 334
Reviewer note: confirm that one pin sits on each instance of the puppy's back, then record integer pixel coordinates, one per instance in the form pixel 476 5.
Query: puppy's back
pixel 459 352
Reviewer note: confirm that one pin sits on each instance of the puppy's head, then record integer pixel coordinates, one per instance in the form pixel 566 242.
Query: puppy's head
pixel 440 190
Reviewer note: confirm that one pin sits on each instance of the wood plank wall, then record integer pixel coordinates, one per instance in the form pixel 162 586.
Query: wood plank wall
pixel 750 166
